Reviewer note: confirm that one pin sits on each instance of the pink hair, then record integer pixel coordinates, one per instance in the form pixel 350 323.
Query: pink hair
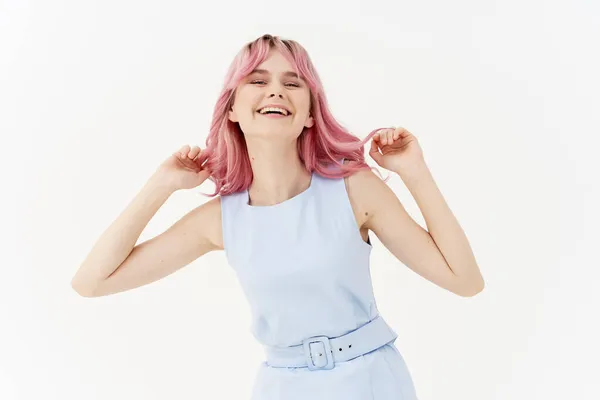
pixel 320 146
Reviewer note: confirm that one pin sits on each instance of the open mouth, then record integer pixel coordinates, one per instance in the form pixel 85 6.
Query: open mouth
pixel 274 111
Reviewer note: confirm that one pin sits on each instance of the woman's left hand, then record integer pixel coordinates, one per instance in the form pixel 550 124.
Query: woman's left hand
pixel 400 150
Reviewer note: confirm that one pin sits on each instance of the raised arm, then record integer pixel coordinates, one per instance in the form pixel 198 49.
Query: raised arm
pixel 116 263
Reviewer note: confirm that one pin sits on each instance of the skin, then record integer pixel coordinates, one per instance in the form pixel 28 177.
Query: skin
pixel 117 264
pixel 277 170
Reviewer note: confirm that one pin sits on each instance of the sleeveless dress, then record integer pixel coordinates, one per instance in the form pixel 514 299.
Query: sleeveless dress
pixel 304 269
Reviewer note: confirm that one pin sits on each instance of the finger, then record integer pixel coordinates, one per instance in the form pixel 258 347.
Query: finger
pixel 382 137
pixel 374 152
pixel 389 136
pixel 184 150
pixel 194 152
pixel 397 133
pixel 403 132
pixel 380 134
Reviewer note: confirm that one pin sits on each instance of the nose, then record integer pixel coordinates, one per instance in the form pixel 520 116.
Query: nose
pixel 274 89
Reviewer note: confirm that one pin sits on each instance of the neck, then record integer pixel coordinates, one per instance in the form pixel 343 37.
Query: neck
pixel 278 173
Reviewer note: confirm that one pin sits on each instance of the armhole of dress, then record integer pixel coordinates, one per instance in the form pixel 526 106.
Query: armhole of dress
pixel 224 225
pixel 348 206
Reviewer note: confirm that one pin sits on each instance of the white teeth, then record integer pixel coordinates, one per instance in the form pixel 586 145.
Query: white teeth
pixel 266 109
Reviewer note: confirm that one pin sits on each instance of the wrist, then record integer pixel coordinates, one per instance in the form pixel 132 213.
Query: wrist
pixel 415 172
pixel 158 182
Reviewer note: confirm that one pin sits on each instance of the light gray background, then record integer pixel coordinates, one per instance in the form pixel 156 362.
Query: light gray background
pixel 503 96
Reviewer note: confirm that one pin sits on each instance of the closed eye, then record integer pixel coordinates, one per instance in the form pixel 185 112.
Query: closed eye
pixel 261 82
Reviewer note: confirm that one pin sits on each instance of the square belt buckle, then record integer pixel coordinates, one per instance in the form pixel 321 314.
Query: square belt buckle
pixel 318 353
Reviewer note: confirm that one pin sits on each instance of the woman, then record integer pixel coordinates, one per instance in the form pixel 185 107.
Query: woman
pixel 296 204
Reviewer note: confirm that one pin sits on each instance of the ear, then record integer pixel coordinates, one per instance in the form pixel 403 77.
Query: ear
pixel 232 115
pixel 309 122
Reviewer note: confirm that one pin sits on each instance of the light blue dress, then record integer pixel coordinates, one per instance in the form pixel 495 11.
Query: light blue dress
pixel 304 269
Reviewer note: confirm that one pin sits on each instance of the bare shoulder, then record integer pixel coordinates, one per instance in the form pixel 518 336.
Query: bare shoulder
pixel 207 218
pixel 361 187
pixel 367 193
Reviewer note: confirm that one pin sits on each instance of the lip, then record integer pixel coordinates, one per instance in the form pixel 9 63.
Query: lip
pixel 274 116
pixel 276 105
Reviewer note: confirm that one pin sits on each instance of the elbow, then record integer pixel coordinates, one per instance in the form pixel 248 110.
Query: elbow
pixel 471 288
pixel 472 292
pixel 82 289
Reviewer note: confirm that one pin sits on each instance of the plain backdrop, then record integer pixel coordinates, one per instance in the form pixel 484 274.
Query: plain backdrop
pixel 502 95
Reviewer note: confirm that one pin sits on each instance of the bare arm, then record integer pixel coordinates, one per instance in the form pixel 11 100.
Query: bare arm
pixel 115 265
pixel 403 237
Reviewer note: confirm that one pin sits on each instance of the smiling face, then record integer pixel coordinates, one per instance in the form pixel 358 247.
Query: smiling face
pixel 275 83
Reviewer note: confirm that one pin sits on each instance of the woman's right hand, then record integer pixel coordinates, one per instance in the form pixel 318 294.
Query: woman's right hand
pixel 181 170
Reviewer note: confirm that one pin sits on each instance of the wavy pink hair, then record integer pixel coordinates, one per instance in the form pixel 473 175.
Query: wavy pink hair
pixel 319 147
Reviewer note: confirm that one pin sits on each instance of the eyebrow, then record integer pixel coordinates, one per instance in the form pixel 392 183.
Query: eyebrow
pixel 290 74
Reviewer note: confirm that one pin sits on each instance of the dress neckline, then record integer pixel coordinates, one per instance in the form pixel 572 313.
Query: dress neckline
pixel 291 200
